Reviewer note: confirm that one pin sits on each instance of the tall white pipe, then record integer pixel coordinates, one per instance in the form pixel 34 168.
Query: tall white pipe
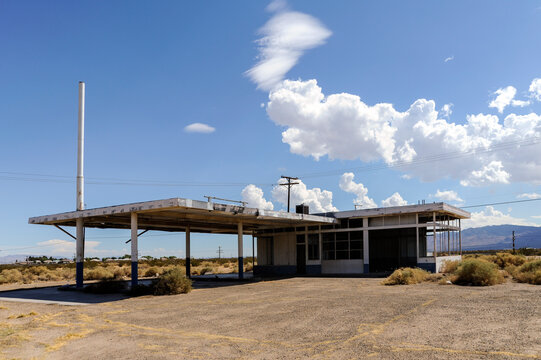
pixel 80 148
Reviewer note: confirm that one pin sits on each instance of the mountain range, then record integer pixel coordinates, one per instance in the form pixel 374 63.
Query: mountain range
pixel 500 237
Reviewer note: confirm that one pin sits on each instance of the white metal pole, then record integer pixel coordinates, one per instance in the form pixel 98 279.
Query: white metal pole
pixel 188 268
pixel 80 148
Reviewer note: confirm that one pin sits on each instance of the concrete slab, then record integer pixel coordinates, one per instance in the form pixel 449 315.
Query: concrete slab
pixel 51 295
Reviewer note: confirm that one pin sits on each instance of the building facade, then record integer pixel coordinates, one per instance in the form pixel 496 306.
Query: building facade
pixel 363 241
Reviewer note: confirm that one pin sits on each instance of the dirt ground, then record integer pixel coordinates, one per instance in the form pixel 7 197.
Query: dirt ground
pixel 319 318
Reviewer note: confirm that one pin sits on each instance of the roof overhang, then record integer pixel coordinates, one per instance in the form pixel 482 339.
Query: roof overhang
pixel 177 214
pixel 440 208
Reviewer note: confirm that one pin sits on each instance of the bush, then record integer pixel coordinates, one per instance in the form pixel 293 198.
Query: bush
pixel 529 272
pixel 205 270
pixel 450 266
pixel 406 276
pixel 477 272
pixel 10 276
pixel 505 259
pixel 121 272
pixel 98 273
pixel 172 282
pixel 151 272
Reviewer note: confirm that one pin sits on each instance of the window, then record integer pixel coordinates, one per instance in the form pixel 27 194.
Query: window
pixel 343 245
pixel 356 223
pixel 313 247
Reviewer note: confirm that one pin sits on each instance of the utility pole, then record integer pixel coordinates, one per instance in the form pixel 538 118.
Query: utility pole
pixel 220 252
pixel 513 241
pixel 289 184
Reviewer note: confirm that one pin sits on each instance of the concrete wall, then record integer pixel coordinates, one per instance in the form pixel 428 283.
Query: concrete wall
pixel 440 260
pixel 342 266
pixel 284 249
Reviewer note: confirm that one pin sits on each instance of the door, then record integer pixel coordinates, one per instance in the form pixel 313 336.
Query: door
pixel 301 259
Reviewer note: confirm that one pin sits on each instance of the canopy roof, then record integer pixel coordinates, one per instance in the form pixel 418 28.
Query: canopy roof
pixel 176 214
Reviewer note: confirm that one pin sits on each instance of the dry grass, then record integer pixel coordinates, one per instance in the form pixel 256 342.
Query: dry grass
pixel 529 272
pixel 477 272
pixel 407 276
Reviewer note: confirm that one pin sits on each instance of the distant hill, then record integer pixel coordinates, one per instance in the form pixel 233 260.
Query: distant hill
pixel 10 259
pixel 500 237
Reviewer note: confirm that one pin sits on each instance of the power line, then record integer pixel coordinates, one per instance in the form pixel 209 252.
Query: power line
pixel 289 184
pixel 500 203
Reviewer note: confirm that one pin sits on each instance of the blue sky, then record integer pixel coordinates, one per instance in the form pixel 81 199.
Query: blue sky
pixel 313 110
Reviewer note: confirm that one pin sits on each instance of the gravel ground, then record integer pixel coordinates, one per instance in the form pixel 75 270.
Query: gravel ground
pixel 318 318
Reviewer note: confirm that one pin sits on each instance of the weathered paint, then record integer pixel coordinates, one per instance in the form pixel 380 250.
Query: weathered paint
pixel 134 270
pixel 79 266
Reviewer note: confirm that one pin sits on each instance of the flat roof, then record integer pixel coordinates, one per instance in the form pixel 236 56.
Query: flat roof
pixel 406 209
pixel 176 214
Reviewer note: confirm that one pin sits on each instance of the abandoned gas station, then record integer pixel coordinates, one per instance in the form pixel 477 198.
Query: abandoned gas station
pixel 345 242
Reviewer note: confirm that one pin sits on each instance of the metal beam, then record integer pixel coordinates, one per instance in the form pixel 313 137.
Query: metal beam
pixel 64 231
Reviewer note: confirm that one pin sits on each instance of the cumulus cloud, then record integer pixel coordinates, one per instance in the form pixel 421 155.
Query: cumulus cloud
pixel 535 89
pixel 491 173
pixel 348 185
pixel 284 39
pixel 67 248
pixel 255 198
pixel 447 195
pixel 491 216
pixel 199 128
pixel 342 126
pixel 529 196
pixel 446 110
pixel 394 200
pixel 450 58
pixel 318 200
pixel 504 96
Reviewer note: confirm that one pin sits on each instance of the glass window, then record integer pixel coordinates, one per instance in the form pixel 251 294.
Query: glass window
pixel 313 247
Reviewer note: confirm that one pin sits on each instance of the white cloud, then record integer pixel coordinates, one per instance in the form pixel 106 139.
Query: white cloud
pixel 446 110
pixel 504 97
pixel 450 58
pixel 199 128
pixel 318 200
pixel 536 216
pixel 67 248
pixel 491 173
pixel 447 195
pixel 285 38
pixel 520 103
pixel 255 198
pixel 490 216
pixel 529 196
pixel 341 126
pixel 394 200
pixel 535 89
pixel 348 185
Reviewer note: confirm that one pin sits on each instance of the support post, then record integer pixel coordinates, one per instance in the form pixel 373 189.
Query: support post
pixel 448 238
pixel 366 250
pixel 253 251
pixel 459 237
pixel 241 259
pixel 80 253
pixel 417 237
pixel 435 240
pixel 188 269
pixel 134 250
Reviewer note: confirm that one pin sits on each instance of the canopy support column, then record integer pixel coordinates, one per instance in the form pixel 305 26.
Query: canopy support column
pixel 241 260
pixel 80 253
pixel 188 270
pixel 134 250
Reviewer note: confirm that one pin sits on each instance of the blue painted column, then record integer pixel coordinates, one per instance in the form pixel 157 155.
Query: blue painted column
pixel 366 249
pixel 80 253
pixel 241 259
pixel 134 250
pixel 188 270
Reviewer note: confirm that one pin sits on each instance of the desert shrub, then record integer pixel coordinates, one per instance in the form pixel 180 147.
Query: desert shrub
pixel 205 270
pixel 98 273
pixel 477 272
pixel 529 272
pixel 172 282
pixel 37 270
pixel 106 287
pixel 249 267
pixel 506 259
pixel 10 276
pixel 449 266
pixel 406 276
pixel 121 272
pixel 151 272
